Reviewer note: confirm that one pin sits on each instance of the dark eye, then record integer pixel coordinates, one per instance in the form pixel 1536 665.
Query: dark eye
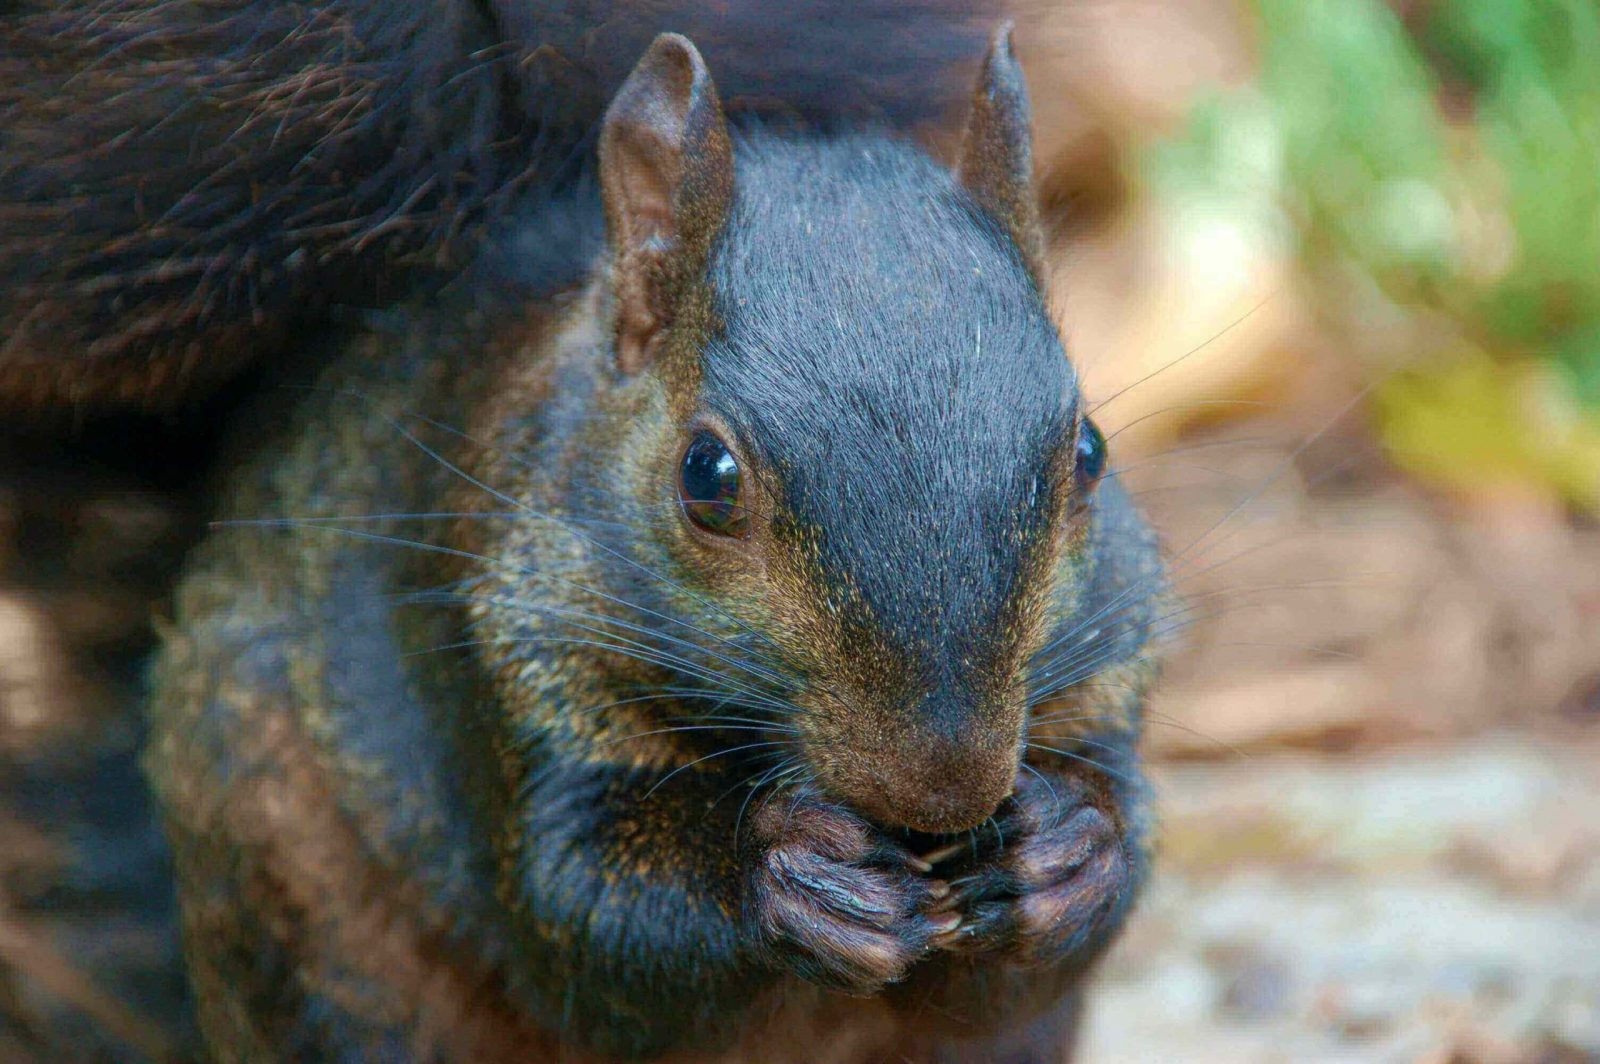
pixel 1091 454
pixel 708 487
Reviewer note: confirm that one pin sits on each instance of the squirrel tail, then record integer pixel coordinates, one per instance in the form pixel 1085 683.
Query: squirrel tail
pixel 185 182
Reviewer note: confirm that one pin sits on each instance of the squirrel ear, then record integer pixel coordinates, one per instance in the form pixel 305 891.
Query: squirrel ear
pixel 997 149
pixel 666 179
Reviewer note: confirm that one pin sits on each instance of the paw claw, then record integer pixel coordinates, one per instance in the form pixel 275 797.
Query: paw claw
pixel 943 853
pixel 949 934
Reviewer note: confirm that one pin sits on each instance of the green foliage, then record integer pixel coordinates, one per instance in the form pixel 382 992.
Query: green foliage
pixel 1536 68
pixel 1451 172
pixel 1485 426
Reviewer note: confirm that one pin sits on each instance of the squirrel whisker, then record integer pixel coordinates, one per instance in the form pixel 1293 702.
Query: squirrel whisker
pixel 638 652
pixel 566 612
pixel 778 775
pixel 695 727
pixel 1117 608
pixel 1132 781
pixel 540 515
pixel 1207 342
pixel 700 760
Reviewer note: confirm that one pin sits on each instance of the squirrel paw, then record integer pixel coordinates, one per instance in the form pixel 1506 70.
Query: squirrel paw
pixel 837 901
pixel 1055 876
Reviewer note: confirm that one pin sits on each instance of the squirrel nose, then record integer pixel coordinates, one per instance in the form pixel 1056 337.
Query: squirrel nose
pixel 937 783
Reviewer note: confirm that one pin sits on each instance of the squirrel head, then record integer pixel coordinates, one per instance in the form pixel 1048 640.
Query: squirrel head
pixel 869 439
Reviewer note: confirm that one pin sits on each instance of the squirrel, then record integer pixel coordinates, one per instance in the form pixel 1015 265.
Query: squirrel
pixel 673 605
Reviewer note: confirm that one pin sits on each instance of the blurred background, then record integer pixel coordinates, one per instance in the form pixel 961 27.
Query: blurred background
pixel 1331 271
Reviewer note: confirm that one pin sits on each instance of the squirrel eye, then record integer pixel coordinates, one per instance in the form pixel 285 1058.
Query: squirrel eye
pixel 708 487
pixel 1091 454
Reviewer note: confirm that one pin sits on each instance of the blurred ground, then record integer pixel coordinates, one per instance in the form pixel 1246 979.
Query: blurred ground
pixel 1378 768
pixel 88 943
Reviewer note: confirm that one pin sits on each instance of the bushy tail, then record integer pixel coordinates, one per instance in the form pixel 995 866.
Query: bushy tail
pixel 183 183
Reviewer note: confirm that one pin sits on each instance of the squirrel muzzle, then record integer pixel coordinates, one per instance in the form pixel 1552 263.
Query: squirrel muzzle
pixel 941 764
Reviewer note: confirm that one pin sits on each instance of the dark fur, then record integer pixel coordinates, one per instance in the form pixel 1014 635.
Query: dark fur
pixel 185 184
pixel 388 843
pixel 892 275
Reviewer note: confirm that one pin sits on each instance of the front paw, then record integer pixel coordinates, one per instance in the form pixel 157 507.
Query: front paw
pixel 1053 877
pixel 838 902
